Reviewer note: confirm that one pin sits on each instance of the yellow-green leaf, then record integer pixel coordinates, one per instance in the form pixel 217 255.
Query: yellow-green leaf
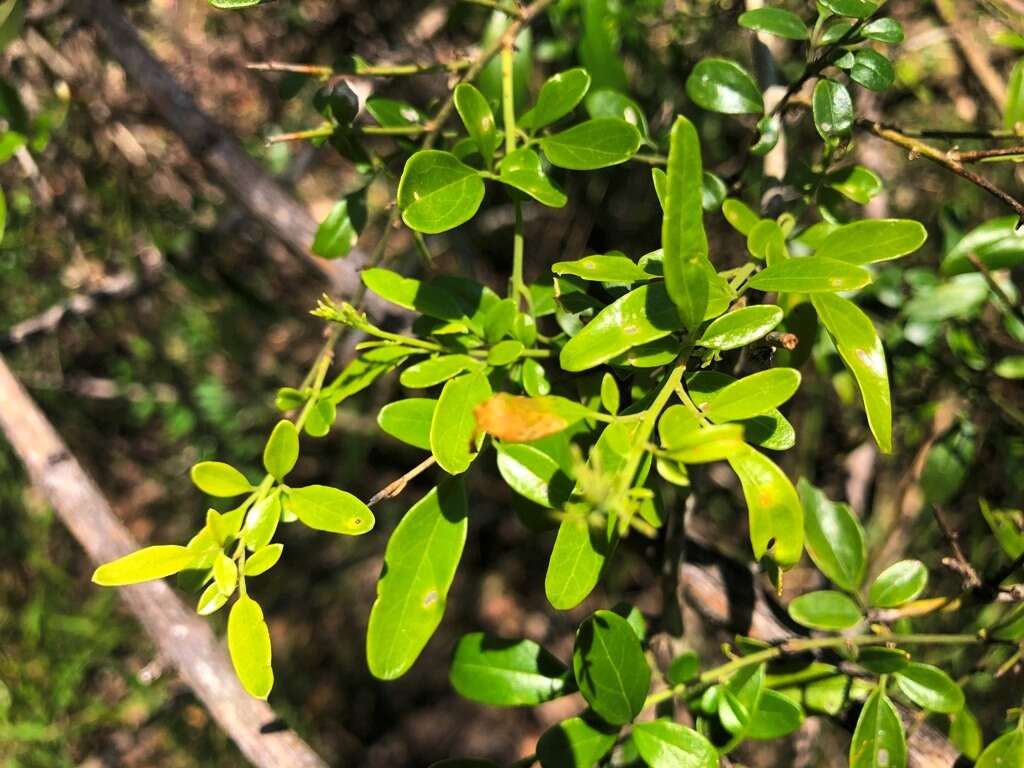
pixel 249 645
pixel 143 565
pixel 776 515
pixel 453 428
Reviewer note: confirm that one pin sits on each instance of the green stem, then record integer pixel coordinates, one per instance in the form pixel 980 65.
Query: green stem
pixel 802 645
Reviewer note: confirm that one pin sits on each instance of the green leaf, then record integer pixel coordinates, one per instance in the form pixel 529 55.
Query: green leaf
pixel 409 420
pixel 736 212
pixel 579 742
pixel 610 395
pixel 143 565
pixel 707 444
pixel 857 9
pixel 930 688
pixel 825 610
pixel 642 315
pixel 282 449
pixel 523 170
pixel 753 395
pixel 420 561
pixel 211 601
pixel 1005 752
pixel 434 370
pixel 453 428
pixel 684 243
pixel 576 561
pixel 394 114
pixel 878 740
pixel 1013 112
pixel 219 479
pixel 861 350
pixel 506 673
pixel 832 109
pixel 261 521
pixel 437 192
pixel 898 584
pixel 684 668
pixel 813 274
pixel 612 268
pixel 670 745
pixel 321 417
pixel 479 120
pixel 593 144
pixel 1011 367
pixel 883 661
pixel 769 430
pixel 610 668
pixel 339 232
pixel 533 474
pixel 225 574
pixel 872 70
pixel 965 734
pixel 609 103
pixel 720 85
pixel 1007 526
pixel 857 183
pixel 234 4
pixel 249 645
pixel 873 240
pixel 12 21
pixel 775 21
pixel 776 516
pixel 262 560
pixel 599 45
pixel 883 30
pixel 998 243
pixel 776 716
pixel 329 509
pixel 740 327
pixel 557 98
pixel 834 538
pixel 739 699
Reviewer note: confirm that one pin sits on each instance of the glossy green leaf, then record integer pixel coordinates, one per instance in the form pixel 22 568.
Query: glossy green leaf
pixel 856 183
pixel 249 646
pixel 261 521
pixel 776 716
pixel 1013 112
pixel 438 192
pixel 860 348
pixel 609 103
pixel 684 243
pixel 834 538
pixel 670 745
pixel 813 274
pixel 997 243
pixel 1005 752
pixel 736 212
pixel 420 561
pixel 407 292
pixel 225 574
pixel 610 395
pixel 882 661
pixel 720 85
pixel 596 143
pixel 898 584
pixel 330 509
pixel 453 428
pixel 479 120
pixel 219 479
pixel 211 601
pixel 339 232
pixel 143 565
pixel 707 444
pixel 282 449
pixel 930 688
pixel 775 21
pixel 262 560
pixel 506 673
pixel 533 474
pixel 832 109
pixel 409 420
pixel 769 430
pixel 739 699
pixel 878 740
pixel 739 328
pixel 434 370
pixel 394 114
pixel 872 70
pixel 773 506
pixel 873 240
pixel 753 395
pixel 610 668
pixel 857 9
pixel 825 610
pixel 883 30
pixel 558 97
pixel 642 315
pixel 579 742
pixel 577 559
pixel 523 170
pixel 610 268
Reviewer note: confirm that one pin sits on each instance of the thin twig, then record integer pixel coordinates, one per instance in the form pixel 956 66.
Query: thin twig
pixel 959 561
pixel 395 487
pixel 997 289
pixel 978 155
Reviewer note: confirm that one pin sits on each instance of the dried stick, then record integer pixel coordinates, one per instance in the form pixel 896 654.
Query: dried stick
pixel 178 634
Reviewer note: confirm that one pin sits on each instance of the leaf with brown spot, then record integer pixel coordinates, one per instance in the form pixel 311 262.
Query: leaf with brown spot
pixel 517 419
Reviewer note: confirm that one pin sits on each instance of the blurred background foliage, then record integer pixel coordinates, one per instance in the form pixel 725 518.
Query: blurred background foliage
pixel 184 365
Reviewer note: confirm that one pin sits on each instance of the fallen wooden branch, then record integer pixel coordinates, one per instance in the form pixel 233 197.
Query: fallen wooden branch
pixel 179 635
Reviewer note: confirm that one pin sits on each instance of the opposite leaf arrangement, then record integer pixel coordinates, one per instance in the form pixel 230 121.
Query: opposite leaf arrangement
pixel 598 390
